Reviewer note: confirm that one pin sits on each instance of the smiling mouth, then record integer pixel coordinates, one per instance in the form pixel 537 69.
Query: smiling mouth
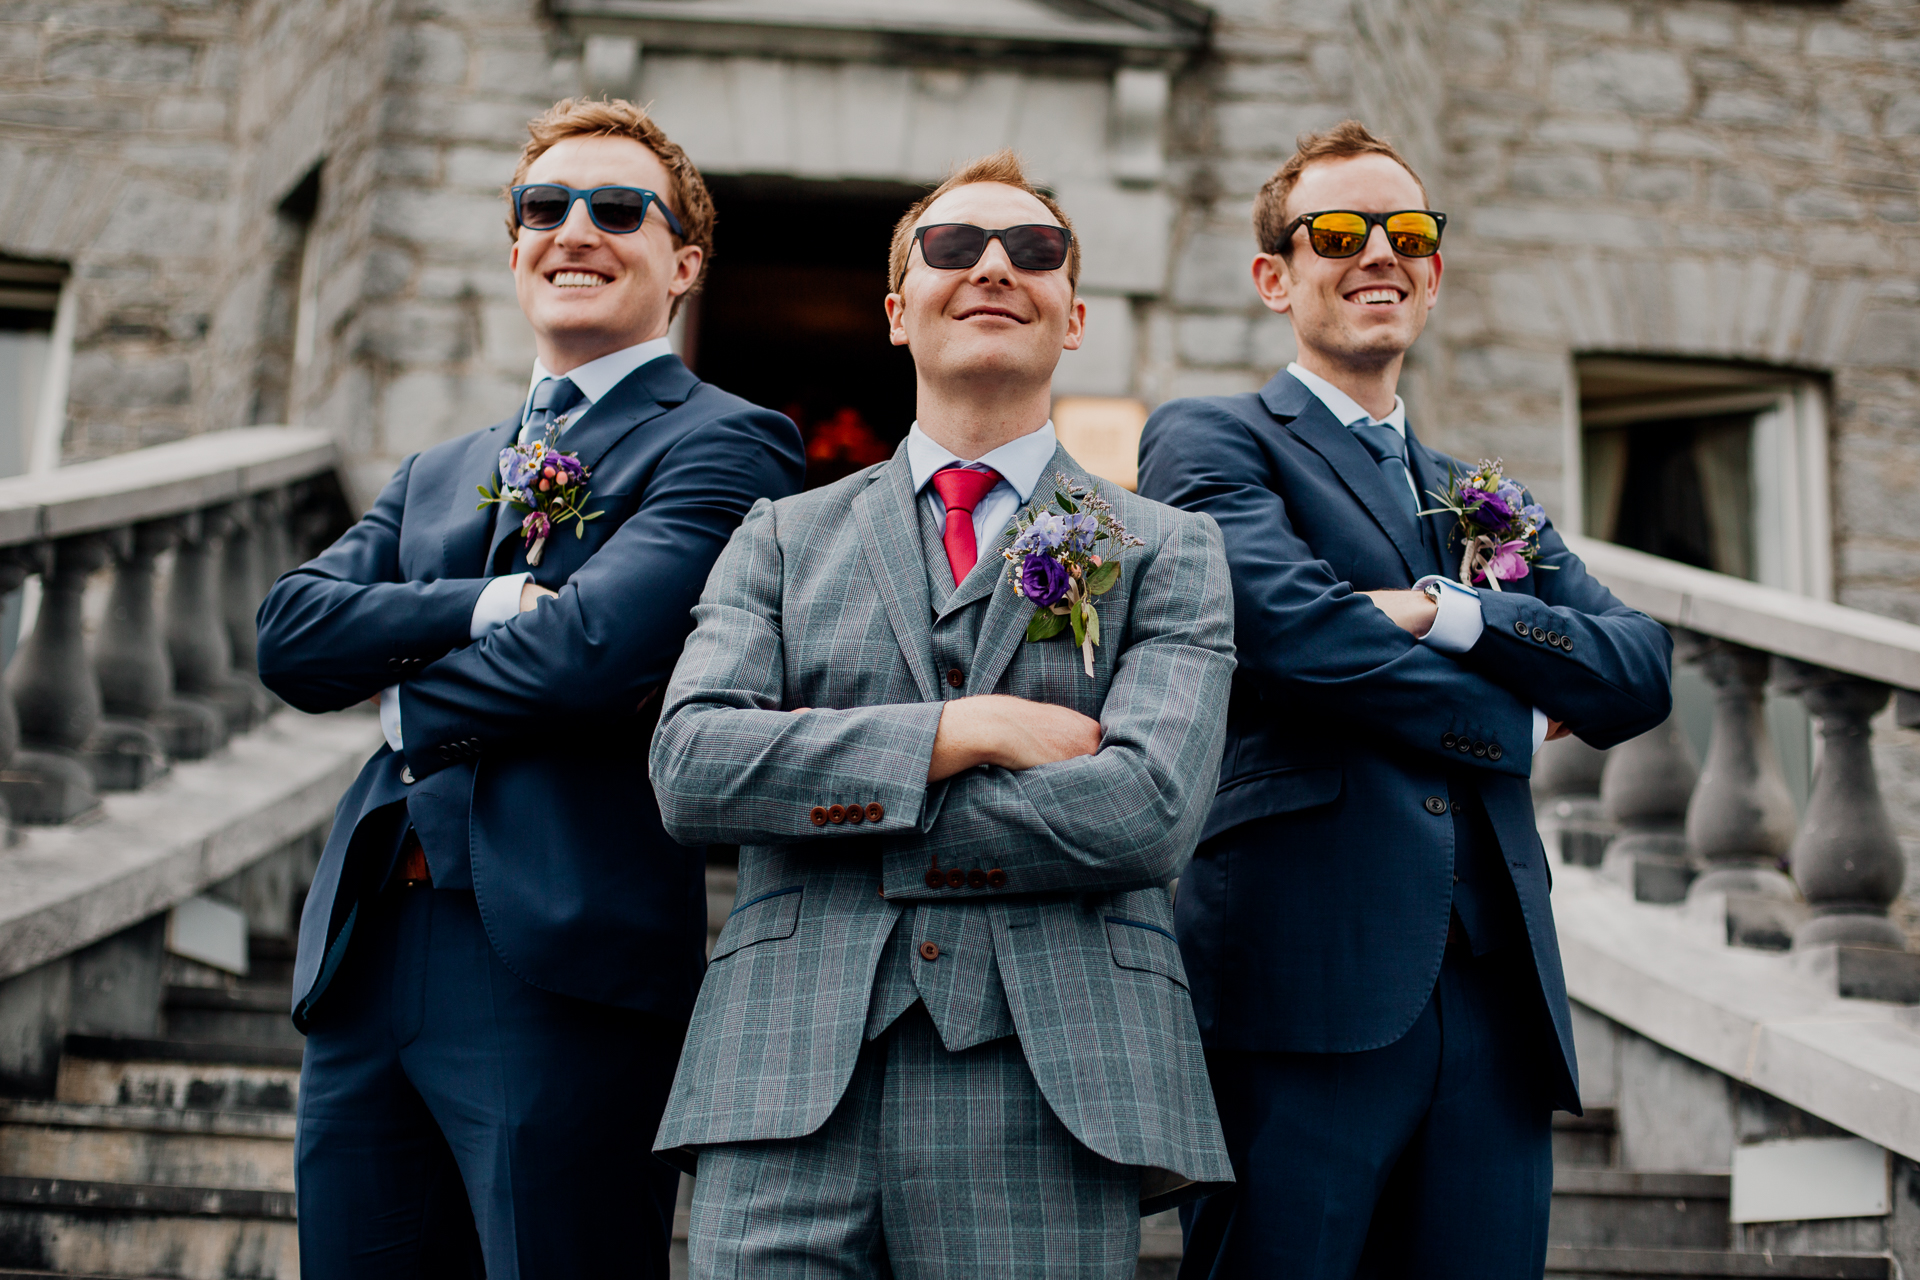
pixel 577 279
pixel 1377 296
pixel 973 312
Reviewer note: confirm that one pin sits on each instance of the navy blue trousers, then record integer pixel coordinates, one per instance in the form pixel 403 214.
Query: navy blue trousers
pixel 1431 1157
pixel 454 1118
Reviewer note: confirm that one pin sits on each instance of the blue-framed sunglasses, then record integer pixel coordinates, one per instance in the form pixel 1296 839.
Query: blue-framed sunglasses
pixel 618 211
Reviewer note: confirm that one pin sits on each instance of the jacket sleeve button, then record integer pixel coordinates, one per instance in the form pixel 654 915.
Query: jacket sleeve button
pixel 876 811
pixel 1493 751
pixel 1448 739
pixel 1436 805
pixel 837 814
pixel 1463 745
pixel 976 879
pixel 856 814
pixel 819 815
pixel 1539 633
pixel 1520 628
pixel 1553 638
pixel 936 878
pixel 956 879
pixel 996 879
pixel 1479 750
pixel 1566 644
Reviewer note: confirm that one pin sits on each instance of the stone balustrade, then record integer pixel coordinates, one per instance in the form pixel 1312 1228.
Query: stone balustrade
pixel 1720 835
pixel 163 679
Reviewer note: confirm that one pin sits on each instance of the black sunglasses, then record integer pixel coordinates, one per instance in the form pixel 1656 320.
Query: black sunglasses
pixel 1342 233
pixel 619 211
pixel 955 246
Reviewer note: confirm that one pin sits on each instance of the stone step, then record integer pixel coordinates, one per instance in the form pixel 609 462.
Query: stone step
pixel 1575 1263
pixel 1618 1208
pixel 247 1014
pixel 146 1145
pixel 1585 1140
pixel 174 1074
pixel 129 1230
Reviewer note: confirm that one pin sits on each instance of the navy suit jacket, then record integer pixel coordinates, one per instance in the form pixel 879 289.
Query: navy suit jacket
pixel 526 751
pixel 1315 913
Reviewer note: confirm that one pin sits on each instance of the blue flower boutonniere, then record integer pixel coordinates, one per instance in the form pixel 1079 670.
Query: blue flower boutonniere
pixel 1498 529
pixel 1057 564
pixel 547 486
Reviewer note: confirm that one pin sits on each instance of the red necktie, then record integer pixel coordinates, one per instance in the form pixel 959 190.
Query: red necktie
pixel 961 489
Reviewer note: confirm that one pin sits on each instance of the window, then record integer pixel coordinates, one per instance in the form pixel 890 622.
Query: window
pixel 287 314
pixel 36 349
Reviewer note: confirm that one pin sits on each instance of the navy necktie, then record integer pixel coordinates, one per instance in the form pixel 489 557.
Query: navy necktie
pixel 553 397
pixel 1389 450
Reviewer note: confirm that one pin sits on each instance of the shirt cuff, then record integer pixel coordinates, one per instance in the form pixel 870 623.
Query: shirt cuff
pixel 499 600
pixel 390 715
pixel 1539 729
pixel 1457 624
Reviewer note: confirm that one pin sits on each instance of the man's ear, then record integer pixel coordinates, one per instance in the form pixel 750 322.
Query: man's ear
pixel 1433 289
pixel 1272 281
pixel 686 268
pixel 896 319
pixel 513 255
pixel 1076 325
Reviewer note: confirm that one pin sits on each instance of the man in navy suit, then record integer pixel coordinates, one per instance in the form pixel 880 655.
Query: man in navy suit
pixel 1366 922
pixel 502 946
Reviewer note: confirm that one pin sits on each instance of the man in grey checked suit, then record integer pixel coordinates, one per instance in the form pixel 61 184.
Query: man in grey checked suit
pixel 946 1031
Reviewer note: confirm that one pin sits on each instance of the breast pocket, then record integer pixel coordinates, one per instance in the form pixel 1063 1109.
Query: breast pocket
pixel 764 918
pixel 1137 944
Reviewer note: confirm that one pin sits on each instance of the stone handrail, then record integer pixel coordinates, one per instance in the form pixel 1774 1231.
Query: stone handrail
pixel 165 679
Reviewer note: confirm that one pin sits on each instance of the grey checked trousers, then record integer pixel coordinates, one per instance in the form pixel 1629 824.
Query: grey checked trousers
pixel 934 1166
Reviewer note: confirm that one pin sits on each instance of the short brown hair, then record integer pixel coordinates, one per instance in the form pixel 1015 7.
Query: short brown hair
pixel 617 118
pixel 1345 140
pixel 1003 167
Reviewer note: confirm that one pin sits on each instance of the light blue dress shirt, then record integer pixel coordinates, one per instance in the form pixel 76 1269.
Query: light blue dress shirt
pixel 1019 463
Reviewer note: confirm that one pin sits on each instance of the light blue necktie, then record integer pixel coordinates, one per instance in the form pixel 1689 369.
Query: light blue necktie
pixel 1389 450
pixel 552 398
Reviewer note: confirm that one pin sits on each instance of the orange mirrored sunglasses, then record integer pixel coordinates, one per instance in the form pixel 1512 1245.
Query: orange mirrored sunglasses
pixel 1342 233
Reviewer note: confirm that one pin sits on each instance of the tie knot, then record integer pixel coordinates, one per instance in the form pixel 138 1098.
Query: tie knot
pixel 556 396
pixel 961 488
pixel 1381 440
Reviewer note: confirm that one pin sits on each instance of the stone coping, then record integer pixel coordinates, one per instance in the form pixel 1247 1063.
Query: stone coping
pixel 164 480
pixel 1157 24
pixel 1717 604
pixel 1665 973
pixel 66 887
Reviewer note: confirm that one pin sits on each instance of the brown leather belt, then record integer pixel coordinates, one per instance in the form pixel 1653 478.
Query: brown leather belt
pixel 413 870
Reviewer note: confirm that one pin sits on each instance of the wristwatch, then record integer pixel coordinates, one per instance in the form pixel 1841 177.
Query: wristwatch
pixel 1434 591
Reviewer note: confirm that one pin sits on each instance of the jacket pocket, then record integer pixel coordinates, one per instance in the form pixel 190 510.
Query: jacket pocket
pixel 760 919
pixel 1261 795
pixel 1139 945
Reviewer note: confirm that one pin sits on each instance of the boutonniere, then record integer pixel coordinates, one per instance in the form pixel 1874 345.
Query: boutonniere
pixel 1057 562
pixel 1498 529
pixel 548 486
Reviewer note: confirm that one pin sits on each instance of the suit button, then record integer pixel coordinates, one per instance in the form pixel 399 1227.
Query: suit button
pixel 1448 739
pixel 1539 633
pixel 1456 809
pixel 1553 638
pixel 856 814
pixel 1479 750
pixel 976 879
pixel 1520 628
pixel 956 677
pixel 876 811
pixel 1493 751
pixel 1566 643
pixel 1436 805
pixel 819 816
pixel 1463 745
pixel 956 878
pixel 929 951
pixel 406 775
pixel 837 815
pixel 996 879
pixel 936 878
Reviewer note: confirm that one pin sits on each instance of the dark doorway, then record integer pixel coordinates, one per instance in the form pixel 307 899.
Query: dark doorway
pixel 792 318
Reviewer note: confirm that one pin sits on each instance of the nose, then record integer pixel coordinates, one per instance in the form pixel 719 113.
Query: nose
pixel 578 229
pixel 994 265
pixel 1378 250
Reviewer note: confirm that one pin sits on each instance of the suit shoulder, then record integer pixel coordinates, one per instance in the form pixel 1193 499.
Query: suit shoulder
pixel 829 501
pixel 1245 407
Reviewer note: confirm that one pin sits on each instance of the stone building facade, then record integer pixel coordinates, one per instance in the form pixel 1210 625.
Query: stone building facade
pixel 289 210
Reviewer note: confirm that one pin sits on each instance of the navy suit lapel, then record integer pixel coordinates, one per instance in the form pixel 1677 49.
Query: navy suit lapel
pixel 1431 474
pixel 464 541
pixel 889 531
pixel 1303 413
pixel 641 396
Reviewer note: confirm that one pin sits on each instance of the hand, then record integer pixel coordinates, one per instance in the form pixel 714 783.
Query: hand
pixel 532 593
pixel 1412 611
pixel 1010 732
pixel 1557 729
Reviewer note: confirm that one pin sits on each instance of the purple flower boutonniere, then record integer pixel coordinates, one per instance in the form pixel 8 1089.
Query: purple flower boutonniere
pixel 1055 562
pixel 548 487
pixel 1498 529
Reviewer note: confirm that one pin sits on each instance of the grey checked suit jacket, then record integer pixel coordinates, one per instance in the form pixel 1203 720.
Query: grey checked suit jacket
pixel 822 601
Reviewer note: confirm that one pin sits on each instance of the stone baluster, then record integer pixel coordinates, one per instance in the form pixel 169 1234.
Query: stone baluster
pixel 273 512
pixel 130 657
pixel 1644 791
pixel 1846 858
pixel 1740 821
pixel 197 638
pixel 54 693
pixel 1566 800
pixel 240 587
pixel 15 565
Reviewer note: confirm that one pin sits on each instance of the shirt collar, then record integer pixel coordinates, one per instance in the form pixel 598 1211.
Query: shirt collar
pixel 1019 462
pixel 597 377
pixel 1345 407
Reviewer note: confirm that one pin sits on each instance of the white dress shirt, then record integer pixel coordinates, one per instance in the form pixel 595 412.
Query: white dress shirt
pixel 1457 621
pixel 500 598
pixel 1019 463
